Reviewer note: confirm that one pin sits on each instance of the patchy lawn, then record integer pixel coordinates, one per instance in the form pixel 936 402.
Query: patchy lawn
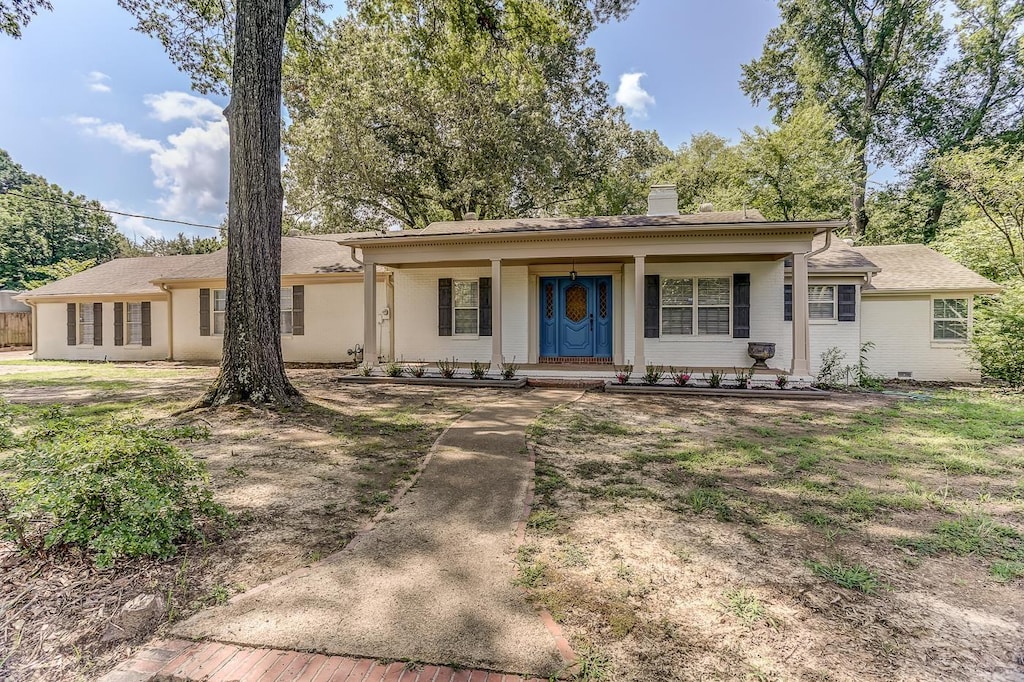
pixel 867 537
pixel 298 486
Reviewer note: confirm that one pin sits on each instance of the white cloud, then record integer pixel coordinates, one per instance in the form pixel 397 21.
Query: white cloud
pixel 171 106
pixel 97 81
pixel 190 166
pixel 133 228
pixel 632 95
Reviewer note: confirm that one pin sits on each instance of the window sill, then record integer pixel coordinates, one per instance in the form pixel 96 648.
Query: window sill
pixel 832 321
pixel 466 337
pixel 952 343
pixel 693 338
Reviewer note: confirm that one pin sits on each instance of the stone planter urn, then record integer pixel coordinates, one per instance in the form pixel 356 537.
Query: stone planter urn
pixel 761 351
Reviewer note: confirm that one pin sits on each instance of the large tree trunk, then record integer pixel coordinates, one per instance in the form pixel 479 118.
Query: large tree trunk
pixel 252 368
pixel 858 216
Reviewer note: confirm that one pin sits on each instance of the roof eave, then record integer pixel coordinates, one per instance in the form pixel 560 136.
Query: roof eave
pixel 982 290
pixel 819 226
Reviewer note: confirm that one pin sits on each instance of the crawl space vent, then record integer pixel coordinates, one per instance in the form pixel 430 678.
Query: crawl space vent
pixel 904 375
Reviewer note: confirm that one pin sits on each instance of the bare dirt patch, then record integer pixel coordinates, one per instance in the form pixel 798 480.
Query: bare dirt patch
pixel 703 539
pixel 298 486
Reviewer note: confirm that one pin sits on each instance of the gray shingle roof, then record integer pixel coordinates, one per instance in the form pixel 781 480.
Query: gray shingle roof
pixel 452 227
pixel 915 267
pixel 306 255
pixel 839 257
pixel 119 276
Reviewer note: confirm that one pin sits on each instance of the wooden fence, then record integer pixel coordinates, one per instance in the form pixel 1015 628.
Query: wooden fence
pixel 15 329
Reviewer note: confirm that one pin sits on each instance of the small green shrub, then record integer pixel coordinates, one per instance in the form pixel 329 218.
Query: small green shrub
pixel 743 377
pixel 831 371
pixel 509 369
pixel 623 373
pixel 6 424
pixel 448 368
pixel 714 378
pixel 113 490
pixel 416 370
pixel 393 369
pixel 680 377
pixel 365 370
pixel 995 341
pixel 653 374
pixel 478 370
pixel 781 380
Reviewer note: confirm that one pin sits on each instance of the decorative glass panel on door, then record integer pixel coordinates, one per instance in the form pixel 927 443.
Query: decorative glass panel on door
pixel 576 303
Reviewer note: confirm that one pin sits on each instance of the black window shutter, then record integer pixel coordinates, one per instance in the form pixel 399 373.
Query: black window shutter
pixel 847 303
pixel 204 312
pixel 118 323
pixel 444 306
pixel 788 303
pixel 72 324
pixel 97 324
pixel 147 323
pixel 485 306
pixel 652 306
pixel 741 305
pixel 298 310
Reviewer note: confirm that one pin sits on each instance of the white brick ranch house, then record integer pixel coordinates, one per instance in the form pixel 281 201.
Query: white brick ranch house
pixel 557 294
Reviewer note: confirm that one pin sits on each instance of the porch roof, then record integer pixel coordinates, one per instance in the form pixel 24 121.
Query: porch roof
pixel 539 229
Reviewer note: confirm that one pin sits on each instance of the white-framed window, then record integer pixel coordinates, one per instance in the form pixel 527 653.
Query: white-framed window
pixel 287 321
pixel 466 307
pixel 950 319
pixel 706 298
pixel 821 300
pixel 220 304
pixel 86 324
pixel 133 324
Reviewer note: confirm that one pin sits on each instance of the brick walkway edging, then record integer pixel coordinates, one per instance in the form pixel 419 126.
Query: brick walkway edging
pixel 179 660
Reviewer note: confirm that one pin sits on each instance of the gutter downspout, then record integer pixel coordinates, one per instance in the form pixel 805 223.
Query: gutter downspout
pixel 353 250
pixel 389 283
pixel 828 244
pixel 35 328
pixel 170 321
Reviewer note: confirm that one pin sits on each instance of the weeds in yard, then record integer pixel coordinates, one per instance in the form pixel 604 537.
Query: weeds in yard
pixel 592 666
pixel 977 535
pixel 1005 571
pixel 582 423
pixel 850 576
pixel 542 520
pixel 701 499
pixel 532 573
pixel 745 605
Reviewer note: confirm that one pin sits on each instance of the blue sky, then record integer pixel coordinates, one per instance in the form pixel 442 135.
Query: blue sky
pixel 100 110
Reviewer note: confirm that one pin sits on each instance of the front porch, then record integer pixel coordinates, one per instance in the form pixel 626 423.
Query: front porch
pixel 577 303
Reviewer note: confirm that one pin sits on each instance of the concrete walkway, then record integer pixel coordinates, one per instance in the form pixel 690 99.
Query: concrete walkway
pixel 433 581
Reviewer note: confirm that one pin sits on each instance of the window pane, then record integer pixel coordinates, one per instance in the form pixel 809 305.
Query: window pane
pixel 677 292
pixel 713 291
pixel 85 311
pixel 286 299
pixel 286 322
pixel 134 312
pixel 465 293
pixel 218 323
pixel 950 330
pixel 677 320
pixel 466 321
pixel 821 311
pixel 712 320
pixel 950 308
pixel 821 294
pixel 219 299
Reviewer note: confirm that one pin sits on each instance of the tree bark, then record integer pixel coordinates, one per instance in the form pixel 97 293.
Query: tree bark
pixel 858 216
pixel 252 367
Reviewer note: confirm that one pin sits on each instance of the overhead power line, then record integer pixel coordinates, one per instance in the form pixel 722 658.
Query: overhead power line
pixel 107 210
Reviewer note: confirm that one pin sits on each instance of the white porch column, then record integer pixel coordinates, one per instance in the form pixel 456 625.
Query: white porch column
pixel 801 330
pixel 369 312
pixel 496 313
pixel 640 271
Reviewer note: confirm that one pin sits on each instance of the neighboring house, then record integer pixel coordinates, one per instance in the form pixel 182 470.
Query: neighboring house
pixel 557 294
pixel 15 320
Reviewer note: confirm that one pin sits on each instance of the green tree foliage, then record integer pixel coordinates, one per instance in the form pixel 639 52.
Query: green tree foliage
pixel 45 230
pixel 180 245
pixel 797 171
pixel 395 124
pixel 855 57
pixel 990 180
pixel 800 170
pixel 977 94
pixel 15 14
pixel 707 169
pixel 996 340
pixel 113 490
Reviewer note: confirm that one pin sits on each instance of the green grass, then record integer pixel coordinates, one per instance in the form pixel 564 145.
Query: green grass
pixel 850 576
pixel 745 606
pixel 980 536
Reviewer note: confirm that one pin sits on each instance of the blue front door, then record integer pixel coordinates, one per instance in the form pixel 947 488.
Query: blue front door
pixel 575 317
